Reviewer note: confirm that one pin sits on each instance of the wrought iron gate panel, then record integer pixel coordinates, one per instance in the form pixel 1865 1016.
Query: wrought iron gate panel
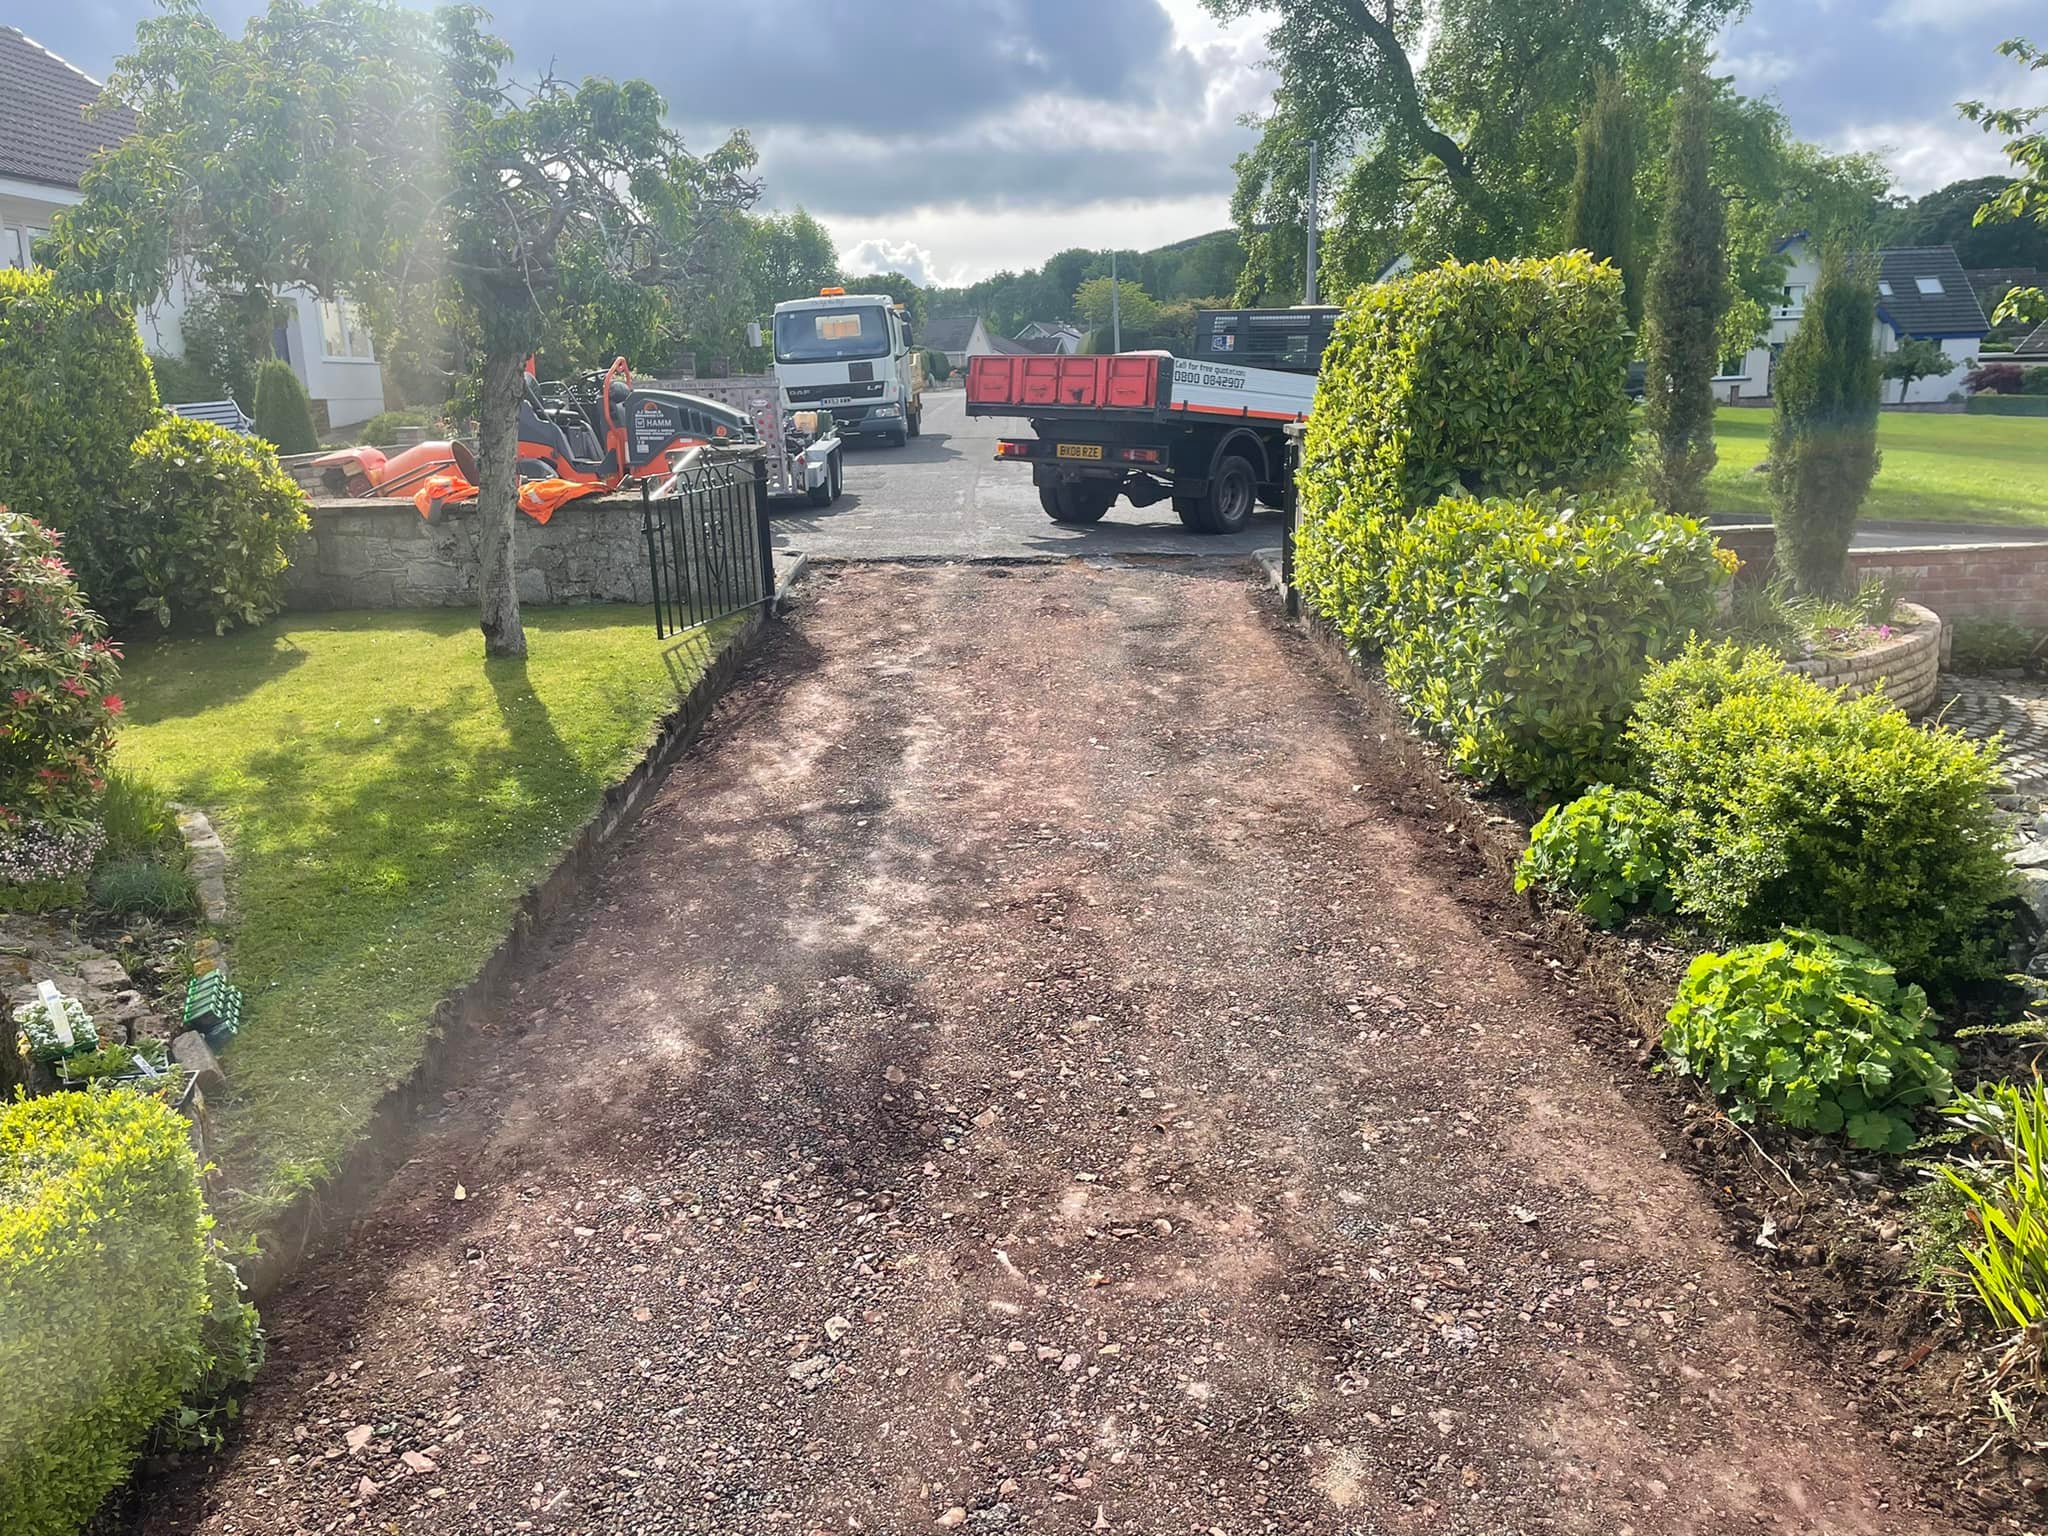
pixel 709 550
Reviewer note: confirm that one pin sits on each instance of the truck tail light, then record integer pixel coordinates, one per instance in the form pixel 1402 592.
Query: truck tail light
pixel 1142 455
pixel 1013 448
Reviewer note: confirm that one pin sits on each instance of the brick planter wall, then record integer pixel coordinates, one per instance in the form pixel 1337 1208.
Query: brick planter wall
pixel 383 554
pixel 1958 581
pixel 1908 664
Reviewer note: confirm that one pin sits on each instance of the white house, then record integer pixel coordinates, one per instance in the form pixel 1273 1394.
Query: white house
pixel 1923 294
pixel 1065 336
pixel 959 337
pixel 46 144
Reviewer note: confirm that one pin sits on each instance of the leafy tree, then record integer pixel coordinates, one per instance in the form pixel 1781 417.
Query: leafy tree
pixel 1688 295
pixel 904 290
pixel 2026 198
pixel 364 149
pixel 1464 148
pixel 1601 217
pixel 1136 310
pixel 225 338
pixel 1824 435
pixel 1948 216
pixel 1915 360
pixel 283 415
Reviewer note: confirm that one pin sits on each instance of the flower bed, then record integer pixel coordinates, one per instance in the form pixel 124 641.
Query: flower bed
pixel 1905 656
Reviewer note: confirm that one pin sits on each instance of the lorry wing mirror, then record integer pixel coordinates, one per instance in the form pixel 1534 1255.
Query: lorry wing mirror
pixel 753 333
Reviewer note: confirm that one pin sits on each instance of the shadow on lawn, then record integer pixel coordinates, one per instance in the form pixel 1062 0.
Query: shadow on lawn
pixel 167 677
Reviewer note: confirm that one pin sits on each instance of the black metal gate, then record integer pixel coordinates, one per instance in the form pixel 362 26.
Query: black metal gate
pixel 709 549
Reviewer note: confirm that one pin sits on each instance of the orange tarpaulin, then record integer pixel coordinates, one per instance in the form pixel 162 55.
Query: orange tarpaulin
pixel 538 499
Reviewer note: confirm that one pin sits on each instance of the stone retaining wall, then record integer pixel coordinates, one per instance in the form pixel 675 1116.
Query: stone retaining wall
pixel 383 554
pixel 1958 581
pixel 1909 665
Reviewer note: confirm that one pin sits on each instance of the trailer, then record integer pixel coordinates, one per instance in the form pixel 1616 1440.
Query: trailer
pixel 805 455
pixel 1207 432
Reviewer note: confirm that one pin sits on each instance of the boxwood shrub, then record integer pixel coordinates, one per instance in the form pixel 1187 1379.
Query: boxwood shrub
pixel 78 391
pixel 1793 805
pixel 1490 379
pixel 208 525
pixel 104 1292
pixel 1519 630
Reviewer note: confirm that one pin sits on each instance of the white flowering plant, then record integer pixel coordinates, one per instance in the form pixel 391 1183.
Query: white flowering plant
pixel 40 1039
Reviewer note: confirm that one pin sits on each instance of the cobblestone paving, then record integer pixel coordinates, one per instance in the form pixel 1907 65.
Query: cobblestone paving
pixel 1984 706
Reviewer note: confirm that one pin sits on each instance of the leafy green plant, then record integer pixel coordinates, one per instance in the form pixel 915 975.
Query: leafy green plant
pixel 1795 625
pixel 78 391
pixel 1489 379
pixel 1609 851
pixel 1813 1030
pixel 103 1249
pixel 1990 645
pixel 384 428
pixel 57 672
pixel 180 381
pixel 135 813
pixel 230 1355
pixel 40 1040
pixel 209 524
pixel 143 887
pixel 1793 805
pixel 1520 630
pixel 112 1061
pixel 283 415
pixel 2005 1190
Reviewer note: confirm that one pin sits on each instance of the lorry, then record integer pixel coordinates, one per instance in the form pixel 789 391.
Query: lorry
pixel 1207 431
pixel 851 354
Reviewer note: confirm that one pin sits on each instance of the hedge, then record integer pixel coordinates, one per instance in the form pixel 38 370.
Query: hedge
pixel 2006 405
pixel 208 525
pixel 78 392
pixel 1520 630
pixel 283 414
pixel 1490 379
pixel 1793 805
pixel 104 1295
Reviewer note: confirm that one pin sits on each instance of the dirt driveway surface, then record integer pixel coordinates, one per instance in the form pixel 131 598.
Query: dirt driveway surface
pixel 1025 1074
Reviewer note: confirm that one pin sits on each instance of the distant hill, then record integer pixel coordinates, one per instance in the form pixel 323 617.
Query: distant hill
pixel 1199 267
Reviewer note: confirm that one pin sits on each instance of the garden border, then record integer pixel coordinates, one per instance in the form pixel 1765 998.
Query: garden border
pixel 317 1215
pixel 1621 988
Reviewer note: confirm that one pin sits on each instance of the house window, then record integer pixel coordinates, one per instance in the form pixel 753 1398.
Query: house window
pixel 1884 288
pixel 1795 295
pixel 1931 286
pixel 343 332
pixel 13 247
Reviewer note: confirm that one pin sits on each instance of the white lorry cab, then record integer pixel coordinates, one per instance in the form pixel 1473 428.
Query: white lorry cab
pixel 850 354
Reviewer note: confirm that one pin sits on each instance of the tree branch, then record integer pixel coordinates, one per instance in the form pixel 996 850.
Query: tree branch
pixel 1409 96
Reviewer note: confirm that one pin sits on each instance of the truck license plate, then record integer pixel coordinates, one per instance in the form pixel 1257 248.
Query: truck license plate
pixel 1078 451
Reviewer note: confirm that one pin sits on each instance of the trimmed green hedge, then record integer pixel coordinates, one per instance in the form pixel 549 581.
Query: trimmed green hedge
pixel 208 525
pixel 1490 379
pixel 104 1296
pixel 78 392
pixel 1792 805
pixel 1520 630
pixel 283 414
pixel 2007 405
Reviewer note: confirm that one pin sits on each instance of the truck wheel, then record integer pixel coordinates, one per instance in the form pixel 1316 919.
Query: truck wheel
pixel 1189 510
pixel 1078 501
pixel 1233 492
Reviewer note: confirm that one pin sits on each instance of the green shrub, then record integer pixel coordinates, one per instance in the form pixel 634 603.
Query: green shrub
pixel 1792 805
pixel 1609 851
pixel 2035 383
pixel 78 392
pixel 937 366
pixel 136 816
pixel 144 888
pixel 1494 379
pixel 382 429
pixel 1989 645
pixel 209 523
pixel 103 1268
pixel 1815 1031
pixel 180 381
pixel 2006 405
pixel 283 414
pixel 1520 630
pixel 2006 1192
pixel 57 673
pixel 231 1353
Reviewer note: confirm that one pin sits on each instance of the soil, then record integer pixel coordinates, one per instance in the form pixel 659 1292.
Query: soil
pixel 1038 1066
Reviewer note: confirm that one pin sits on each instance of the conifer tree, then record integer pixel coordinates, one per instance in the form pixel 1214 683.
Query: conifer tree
pixel 1601 217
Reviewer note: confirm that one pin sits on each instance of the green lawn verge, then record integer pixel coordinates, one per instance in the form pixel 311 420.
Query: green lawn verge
pixel 1949 469
pixel 386 795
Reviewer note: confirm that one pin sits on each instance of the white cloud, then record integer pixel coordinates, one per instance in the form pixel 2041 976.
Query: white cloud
pixel 976 241
pixel 1925 153
pixel 1906 14
pixel 905 256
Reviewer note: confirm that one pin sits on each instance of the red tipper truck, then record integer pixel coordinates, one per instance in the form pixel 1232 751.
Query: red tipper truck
pixel 1207 431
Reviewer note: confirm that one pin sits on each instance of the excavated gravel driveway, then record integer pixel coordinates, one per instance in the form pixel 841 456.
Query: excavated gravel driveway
pixel 1032 1069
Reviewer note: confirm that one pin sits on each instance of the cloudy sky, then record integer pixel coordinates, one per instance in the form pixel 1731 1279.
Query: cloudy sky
pixel 949 138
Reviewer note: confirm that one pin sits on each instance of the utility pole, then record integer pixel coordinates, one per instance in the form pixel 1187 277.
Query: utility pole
pixel 1116 323
pixel 1314 205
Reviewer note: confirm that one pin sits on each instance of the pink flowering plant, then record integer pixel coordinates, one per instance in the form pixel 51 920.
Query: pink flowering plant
pixel 58 707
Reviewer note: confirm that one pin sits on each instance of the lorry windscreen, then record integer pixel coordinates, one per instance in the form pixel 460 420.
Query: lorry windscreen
pixel 831 335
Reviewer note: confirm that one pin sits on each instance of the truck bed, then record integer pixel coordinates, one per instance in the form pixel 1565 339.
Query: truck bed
pixel 1152 386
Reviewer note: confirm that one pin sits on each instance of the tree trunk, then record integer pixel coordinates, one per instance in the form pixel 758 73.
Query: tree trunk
pixel 497 502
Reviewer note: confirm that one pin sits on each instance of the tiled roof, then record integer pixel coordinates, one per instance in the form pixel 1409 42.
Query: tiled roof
pixel 1951 310
pixel 44 134
pixel 2035 345
pixel 948 333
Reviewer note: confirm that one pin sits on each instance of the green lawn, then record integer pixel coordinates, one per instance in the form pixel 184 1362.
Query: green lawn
pixel 1949 469
pixel 386 796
